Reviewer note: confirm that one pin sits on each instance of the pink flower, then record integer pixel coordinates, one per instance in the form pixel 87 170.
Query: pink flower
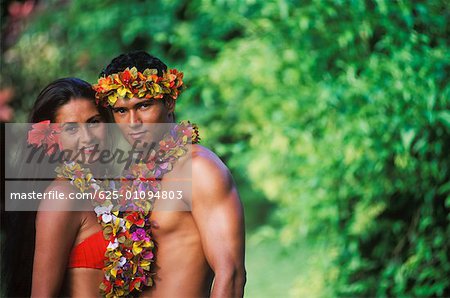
pixel 147 255
pixel 45 133
pixel 167 145
pixel 139 235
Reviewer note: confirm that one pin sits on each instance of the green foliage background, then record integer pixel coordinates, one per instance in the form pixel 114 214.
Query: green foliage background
pixel 332 115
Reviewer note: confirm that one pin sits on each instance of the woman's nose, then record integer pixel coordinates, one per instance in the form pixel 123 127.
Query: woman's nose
pixel 86 137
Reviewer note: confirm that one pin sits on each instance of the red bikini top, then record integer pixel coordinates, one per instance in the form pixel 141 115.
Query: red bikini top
pixel 90 253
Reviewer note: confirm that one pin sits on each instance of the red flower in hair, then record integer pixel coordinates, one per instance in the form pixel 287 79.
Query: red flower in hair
pixel 45 134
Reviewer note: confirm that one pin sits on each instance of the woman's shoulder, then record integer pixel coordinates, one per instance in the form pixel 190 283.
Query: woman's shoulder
pixel 58 196
pixel 61 185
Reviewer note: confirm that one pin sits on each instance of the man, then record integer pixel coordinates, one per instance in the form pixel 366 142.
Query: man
pixel 199 252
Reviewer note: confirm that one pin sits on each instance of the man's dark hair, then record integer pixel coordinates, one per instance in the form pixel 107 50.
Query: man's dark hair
pixel 139 59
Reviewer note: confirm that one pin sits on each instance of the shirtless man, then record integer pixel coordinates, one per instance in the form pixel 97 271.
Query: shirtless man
pixel 205 244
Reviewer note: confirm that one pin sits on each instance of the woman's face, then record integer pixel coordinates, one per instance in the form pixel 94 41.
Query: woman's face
pixel 83 130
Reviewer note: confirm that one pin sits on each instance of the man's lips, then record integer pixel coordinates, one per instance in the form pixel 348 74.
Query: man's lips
pixel 136 135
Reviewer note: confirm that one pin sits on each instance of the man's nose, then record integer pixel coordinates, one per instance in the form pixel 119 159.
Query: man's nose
pixel 135 119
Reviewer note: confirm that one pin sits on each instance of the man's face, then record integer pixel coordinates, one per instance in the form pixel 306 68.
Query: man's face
pixel 134 116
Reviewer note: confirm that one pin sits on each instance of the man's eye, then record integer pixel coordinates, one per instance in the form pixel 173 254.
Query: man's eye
pixel 144 106
pixel 119 111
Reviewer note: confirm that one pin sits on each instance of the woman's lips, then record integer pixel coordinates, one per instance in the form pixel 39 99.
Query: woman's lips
pixel 88 149
pixel 137 135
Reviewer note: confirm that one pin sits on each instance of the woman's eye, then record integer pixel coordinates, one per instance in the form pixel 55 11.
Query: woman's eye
pixel 93 124
pixel 71 129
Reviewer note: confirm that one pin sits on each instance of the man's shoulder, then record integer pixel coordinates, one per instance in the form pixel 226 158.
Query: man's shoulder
pixel 209 173
pixel 206 162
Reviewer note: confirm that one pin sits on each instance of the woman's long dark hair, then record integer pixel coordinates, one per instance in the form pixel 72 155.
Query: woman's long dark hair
pixel 59 93
pixel 18 227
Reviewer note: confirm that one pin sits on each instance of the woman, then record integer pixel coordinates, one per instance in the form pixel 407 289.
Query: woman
pixel 69 248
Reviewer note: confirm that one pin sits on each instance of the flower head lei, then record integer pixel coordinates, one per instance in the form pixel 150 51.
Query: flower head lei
pixel 127 224
pixel 45 134
pixel 132 83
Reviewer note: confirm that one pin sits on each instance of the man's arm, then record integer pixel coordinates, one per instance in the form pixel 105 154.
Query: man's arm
pixel 218 213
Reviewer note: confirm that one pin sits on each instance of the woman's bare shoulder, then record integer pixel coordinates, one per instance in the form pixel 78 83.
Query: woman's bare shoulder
pixel 58 197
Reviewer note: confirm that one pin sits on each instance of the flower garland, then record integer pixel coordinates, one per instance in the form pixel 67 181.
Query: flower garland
pixel 127 224
pixel 132 83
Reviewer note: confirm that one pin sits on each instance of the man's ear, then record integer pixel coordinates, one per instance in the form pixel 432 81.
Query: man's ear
pixel 170 105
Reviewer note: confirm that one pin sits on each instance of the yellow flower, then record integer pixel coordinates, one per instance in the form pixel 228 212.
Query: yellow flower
pixel 149 72
pixel 137 248
pixel 134 72
pixel 114 272
pixel 145 264
pixel 112 98
pixel 122 91
pixel 118 254
pixel 120 292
